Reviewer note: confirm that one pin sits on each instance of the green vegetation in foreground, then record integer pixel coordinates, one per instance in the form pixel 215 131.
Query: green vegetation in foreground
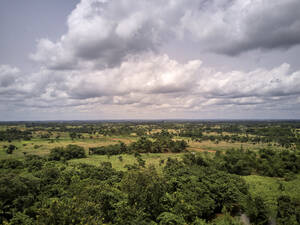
pixel 51 173
pixel 39 191
pixel 270 188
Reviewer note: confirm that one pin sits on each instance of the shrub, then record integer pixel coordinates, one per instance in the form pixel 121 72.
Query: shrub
pixel 69 152
pixel 10 149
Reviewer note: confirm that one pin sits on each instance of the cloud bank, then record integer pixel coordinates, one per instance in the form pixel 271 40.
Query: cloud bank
pixel 156 83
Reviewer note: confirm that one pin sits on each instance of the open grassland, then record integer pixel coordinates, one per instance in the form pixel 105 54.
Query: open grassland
pixel 119 161
pixel 57 137
pixel 42 146
pixel 211 146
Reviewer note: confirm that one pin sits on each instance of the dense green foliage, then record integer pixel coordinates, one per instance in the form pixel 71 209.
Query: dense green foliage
pixel 265 162
pixel 108 150
pixel 191 191
pixel 15 134
pixel 37 191
pixel 69 152
pixel 160 145
pixel 288 211
pixel 143 145
pixel 257 211
pixel 195 188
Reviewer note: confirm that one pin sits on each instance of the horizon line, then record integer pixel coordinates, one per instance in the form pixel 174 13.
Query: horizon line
pixel 129 120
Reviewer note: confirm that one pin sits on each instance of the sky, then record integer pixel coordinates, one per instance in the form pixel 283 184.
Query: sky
pixel 149 59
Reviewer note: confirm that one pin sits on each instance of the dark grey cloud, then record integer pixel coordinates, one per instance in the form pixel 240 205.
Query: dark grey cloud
pixel 233 27
pixel 7 75
pixel 103 33
pixel 276 25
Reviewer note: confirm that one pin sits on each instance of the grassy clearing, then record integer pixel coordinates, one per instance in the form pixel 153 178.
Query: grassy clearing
pixel 150 158
pixel 222 145
pixel 42 147
pixel 270 188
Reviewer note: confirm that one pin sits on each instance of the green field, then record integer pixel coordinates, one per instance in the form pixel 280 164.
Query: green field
pixel 150 158
pixel 42 147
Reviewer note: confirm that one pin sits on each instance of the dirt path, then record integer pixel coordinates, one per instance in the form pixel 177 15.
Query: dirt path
pixel 200 149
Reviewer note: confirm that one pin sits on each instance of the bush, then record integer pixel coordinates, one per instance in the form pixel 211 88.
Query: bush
pixel 10 149
pixel 257 210
pixel 11 164
pixel 34 162
pixel 69 152
pixel 167 218
pixel 106 150
pixel 286 214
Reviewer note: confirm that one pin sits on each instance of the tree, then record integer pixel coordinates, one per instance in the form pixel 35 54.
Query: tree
pixel 120 158
pixel 145 189
pixel 257 211
pixel 69 152
pixel 123 147
pixel 11 164
pixel 21 218
pixel 17 193
pixel 10 149
pixel 73 135
pixel 286 211
pixel 167 218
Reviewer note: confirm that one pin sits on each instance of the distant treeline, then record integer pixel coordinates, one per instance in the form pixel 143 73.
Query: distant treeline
pixel 285 137
pixel 143 145
pixel 284 133
pixel 15 134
